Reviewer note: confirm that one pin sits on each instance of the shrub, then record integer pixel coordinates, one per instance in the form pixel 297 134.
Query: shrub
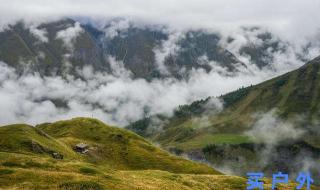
pixel 89 171
pixel 11 164
pixel 32 164
pixel 81 185
pixel 6 171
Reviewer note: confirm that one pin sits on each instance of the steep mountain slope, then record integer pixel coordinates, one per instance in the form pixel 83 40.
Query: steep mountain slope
pixel 116 159
pixel 63 46
pixel 22 48
pixel 264 48
pixel 197 50
pixel 137 47
pixel 287 105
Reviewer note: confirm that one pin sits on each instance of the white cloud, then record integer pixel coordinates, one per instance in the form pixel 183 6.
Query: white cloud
pixel 115 27
pixel 291 18
pixel 41 34
pixel 168 47
pixel 115 99
pixel 69 35
pixel 117 68
pixel 270 129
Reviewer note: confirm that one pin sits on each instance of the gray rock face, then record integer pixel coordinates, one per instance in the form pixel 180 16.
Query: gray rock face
pixel 23 49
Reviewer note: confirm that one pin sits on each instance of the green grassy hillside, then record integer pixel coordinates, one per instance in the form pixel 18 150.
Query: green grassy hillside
pixel 114 155
pixel 118 148
pixel 25 139
pixel 292 94
pixel 117 159
pixel 222 136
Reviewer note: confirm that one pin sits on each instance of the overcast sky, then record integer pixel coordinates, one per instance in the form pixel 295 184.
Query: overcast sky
pixel 291 18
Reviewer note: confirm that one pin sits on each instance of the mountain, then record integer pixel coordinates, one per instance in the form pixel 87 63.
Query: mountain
pixel 61 47
pixel 136 48
pixel 40 50
pixel 280 115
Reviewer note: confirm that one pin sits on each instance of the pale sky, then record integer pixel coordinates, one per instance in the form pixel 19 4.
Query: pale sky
pixel 291 18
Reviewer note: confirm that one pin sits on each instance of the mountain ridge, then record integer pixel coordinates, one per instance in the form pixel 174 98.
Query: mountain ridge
pixel 38 48
pixel 288 103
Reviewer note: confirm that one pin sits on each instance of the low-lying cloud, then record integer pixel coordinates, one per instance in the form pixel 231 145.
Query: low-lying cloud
pixel 277 145
pixel 69 35
pixel 114 98
pixel 41 34
pixel 270 129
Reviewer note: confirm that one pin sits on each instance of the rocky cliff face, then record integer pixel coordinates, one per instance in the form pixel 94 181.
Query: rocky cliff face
pixel 61 47
pixel 50 49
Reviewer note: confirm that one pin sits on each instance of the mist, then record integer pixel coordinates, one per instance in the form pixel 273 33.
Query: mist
pixel 115 98
pixel 281 16
pixel 276 145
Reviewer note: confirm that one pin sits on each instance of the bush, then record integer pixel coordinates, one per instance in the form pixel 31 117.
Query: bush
pixel 81 185
pixel 11 164
pixel 32 164
pixel 235 96
pixel 89 171
pixel 6 171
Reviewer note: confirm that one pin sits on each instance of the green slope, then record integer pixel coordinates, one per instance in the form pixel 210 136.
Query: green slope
pixel 110 146
pixel 117 159
pixel 222 138
pixel 294 93
pixel 25 139
pixel 118 148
